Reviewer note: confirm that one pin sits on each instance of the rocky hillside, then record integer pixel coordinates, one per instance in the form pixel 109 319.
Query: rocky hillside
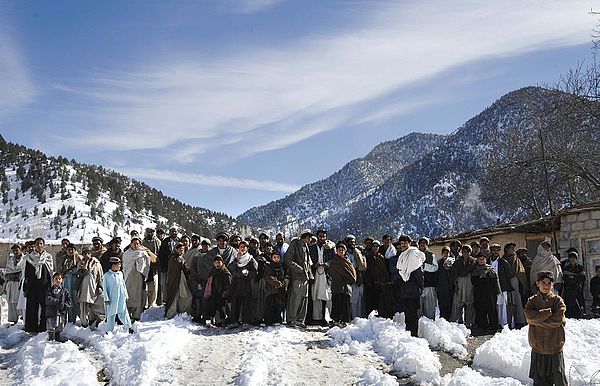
pixel 54 198
pixel 436 188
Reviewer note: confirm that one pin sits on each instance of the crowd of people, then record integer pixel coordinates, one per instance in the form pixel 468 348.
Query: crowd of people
pixel 312 280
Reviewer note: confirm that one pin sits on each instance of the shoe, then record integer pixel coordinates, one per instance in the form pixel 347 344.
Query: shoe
pixel 131 331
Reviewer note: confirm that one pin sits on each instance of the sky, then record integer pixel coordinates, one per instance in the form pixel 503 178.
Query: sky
pixel 231 104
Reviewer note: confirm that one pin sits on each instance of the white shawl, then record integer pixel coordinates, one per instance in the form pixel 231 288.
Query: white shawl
pixel 38 262
pixel 409 261
pixel 135 259
pixel 245 259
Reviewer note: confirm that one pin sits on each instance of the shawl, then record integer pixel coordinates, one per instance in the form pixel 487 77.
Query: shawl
pixel 409 261
pixel 342 270
pixel 517 269
pixel 359 260
pixel 545 261
pixel 485 270
pixel 39 260
pixel 135 260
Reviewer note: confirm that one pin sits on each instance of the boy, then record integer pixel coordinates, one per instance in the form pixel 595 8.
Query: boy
pixel 217 291
pixel 545 313
pixel 274 290
pixel 343 275
pixel 595 290
pixel 58 302
pixel 115 296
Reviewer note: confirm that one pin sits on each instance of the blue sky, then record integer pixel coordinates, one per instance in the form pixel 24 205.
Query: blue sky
pixel 231 104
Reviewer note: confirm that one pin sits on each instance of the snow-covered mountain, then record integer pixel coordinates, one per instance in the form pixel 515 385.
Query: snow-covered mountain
pixel 423 185
pixel 54 198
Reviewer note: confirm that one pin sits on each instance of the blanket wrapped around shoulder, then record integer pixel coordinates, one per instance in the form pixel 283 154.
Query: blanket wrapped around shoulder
pixel 342 270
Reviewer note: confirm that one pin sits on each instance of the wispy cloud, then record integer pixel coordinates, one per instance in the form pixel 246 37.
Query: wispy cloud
pixel 17 88
pixel 277 97
pixel 208 180
pixel 251 6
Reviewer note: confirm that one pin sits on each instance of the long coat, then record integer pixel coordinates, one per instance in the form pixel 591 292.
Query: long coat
pixel 115 292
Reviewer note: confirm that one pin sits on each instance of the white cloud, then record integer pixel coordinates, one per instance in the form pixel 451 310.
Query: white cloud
pixel 278 97
pixel 251 6
pixel 208 180
pixel 17 89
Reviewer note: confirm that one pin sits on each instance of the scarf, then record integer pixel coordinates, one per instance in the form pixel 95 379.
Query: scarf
pixel 483 271
pixel 342 270
pixel 39 260
pixel 409 261
pixel 545 261
pixel 245 259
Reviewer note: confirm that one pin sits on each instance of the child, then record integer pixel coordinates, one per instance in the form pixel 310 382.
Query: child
pixel 545 313
pixel 595 291
pixel 58 302
pixel 274 290
pixel 217 291
pixel 343 275
pixel 115 296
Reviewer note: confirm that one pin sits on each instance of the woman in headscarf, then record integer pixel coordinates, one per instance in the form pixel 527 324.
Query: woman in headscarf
pixel 545 261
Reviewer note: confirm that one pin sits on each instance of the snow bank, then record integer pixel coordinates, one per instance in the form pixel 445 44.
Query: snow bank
pixel 407 355
pixel 468 376
pixel 373 377
pixel 52 363
pixel 445 336
pixel 143 358
pixel 508 353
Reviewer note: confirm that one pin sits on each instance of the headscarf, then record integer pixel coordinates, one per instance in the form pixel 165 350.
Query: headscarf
pixel 545 261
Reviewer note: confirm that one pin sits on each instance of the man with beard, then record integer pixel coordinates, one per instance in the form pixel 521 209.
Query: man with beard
pixel 179 297
pixel 519 283
pixel 281 246
pixel 136 264
pixel 12 274
pixel 98 248
pixel 298 265
pixel 360 265
pixel 387 249
pixel 152 244
pixel 409 267
pixel 167 246
pixel 234 241
pixel 320 254
pixel 376 278
pixel 39 266
pixel 503 270
pixel 114 250
pixel 263 238
pixel 430 267
pixel 60 255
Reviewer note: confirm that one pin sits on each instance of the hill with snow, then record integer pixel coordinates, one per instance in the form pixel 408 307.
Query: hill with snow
pixel 55 198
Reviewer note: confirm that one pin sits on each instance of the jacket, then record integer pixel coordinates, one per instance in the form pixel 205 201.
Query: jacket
pixel 546 329
pixel 58 301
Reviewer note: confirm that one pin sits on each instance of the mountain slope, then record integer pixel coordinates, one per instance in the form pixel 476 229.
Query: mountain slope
pixel 317 202
pixel 55 198
pixel 439 190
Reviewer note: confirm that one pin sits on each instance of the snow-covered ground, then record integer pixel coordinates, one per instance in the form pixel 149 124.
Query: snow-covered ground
pixel 371 351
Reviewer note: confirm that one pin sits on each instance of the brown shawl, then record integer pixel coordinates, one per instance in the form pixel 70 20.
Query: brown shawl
pixel 342 270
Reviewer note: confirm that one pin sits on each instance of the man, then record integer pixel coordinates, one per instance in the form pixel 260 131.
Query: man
pixel 445 284
pixel 387 249
pixel 152 243
pixel 523 256
pixel 430 267
pixel 98 248
pixel 160 234
pixel 484 243
pixel 60 255
pixel 409 265
pixel 253 247
pixel 200 269
pixel 519 283
pixel 114 250
pixel 39 266
pixel 189 258
pixel 463 300
pixel 179 298
pixel 167 247
pixel 136 264
pixel 456 248
pixel 572 290
pixel 320 254
pixel 503 270
pixel 298 265
pixel 227 252
pixel 12 274
pixel 263 238
pixel 476 248
pixel 91 308
pixel 360 266
pixel 281 246
pixel 376 278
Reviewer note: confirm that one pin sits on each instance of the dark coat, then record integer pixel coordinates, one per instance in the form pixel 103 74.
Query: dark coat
pixel 503 274
pixel 105 259
pixel 314 255
pixel 413 288
pixel 58 302
pixel 298 266
pixel 241 285
pixel 164 252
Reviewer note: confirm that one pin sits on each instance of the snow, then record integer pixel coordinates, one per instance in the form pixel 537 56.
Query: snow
pixel 445 336
pixel 389 339
pixel 467 376
pixel 508 353
pixel 372 376
pixel 259 364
